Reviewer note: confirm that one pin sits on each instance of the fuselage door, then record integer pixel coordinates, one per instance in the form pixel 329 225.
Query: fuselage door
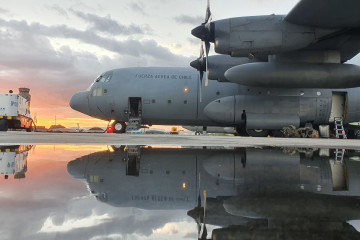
pixel 135 107
pixel 338 105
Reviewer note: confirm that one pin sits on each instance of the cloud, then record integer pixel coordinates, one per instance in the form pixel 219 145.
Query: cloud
pixel 108 25
pixel 3 11
pixel 194 41
pixel 131 47
pixel 168 228
pixel 191 235
pixel 192 20
pixel 73 224
pixel 137 7
pixel 59 10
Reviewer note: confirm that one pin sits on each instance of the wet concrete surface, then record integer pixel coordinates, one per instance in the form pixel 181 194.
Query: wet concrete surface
pixel 16 138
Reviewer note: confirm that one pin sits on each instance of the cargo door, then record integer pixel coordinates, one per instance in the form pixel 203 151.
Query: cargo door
pixel 135 107
pixel 338 105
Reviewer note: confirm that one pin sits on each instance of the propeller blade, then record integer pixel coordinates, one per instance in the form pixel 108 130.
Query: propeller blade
pixel 204 233
pixel 208 12
pixel 200 90
pixel 201 62
pixel 202 50
pixel 204 204
pixel 199 197
pixel 207 49
pixel 198 228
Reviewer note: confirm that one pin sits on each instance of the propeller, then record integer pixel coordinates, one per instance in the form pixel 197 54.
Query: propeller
pixel 198 213
pixel 200 65
pixel 205 33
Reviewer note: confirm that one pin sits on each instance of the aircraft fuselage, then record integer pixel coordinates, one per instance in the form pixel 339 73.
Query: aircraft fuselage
pixel 171 96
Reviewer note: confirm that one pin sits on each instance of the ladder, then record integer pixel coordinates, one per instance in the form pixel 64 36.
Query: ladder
pixel 134 123
pixel 339 128
pixel 133 151
pixel 339 156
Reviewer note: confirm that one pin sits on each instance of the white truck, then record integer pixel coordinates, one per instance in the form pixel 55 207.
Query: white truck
pixel 13 160
pixel 15 110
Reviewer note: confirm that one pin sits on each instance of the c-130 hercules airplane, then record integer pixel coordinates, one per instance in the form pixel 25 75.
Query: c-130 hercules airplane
pixel 273 71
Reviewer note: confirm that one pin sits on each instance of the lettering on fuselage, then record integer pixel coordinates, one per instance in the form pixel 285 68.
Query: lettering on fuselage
pixel 162 76
pixel 159 198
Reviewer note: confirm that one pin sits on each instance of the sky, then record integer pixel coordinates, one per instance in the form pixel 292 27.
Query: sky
pixel 57 48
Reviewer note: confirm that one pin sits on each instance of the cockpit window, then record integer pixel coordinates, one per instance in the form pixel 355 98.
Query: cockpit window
pixel 106 77
pixel 89 88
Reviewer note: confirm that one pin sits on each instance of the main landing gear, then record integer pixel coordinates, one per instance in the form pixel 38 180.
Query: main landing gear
pixel 118 127
pixel 258 132
pixel 252 132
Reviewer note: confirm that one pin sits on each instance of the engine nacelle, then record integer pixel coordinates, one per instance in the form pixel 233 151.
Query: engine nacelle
pixel 261 35
pixel 219 64
pixel 295 75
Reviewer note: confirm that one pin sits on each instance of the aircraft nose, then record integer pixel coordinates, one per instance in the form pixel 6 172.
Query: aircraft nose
pixel 76 168
pixel 80 102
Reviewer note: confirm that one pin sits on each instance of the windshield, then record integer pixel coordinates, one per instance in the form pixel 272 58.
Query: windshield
pixel 105 77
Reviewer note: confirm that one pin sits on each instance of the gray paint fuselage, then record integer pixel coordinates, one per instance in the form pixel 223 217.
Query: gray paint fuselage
pixel 170 96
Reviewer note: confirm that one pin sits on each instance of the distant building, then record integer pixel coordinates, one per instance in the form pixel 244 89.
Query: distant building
pixel 56 126
pixel 41 129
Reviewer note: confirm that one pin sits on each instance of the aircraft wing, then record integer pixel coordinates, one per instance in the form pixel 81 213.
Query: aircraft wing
pixel 334 14
pixel 326 13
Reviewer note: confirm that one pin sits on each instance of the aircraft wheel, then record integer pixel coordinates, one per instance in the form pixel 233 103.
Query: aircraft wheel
pixel 197 133
pixel 351 134
pixel 117 147
pixel 257 132
pixel 277 133
pixel 119 127
pixel 241 132
pixel 4 125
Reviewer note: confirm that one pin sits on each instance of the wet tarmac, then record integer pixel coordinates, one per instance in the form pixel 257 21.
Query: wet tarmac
pixel 163 192
pixel 8 138
pixel 129 186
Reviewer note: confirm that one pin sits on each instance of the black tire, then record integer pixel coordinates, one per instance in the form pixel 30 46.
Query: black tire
pixel 241 132
pixel 4 126
pixel 277 133
pixel 258 132
pixel 119 127
pixel 351 134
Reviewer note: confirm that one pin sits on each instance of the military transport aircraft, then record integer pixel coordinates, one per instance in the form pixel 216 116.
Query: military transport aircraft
pixel 274 71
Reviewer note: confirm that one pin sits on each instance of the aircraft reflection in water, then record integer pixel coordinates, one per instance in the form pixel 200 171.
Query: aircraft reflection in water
pixel 13 160
pixel 251 193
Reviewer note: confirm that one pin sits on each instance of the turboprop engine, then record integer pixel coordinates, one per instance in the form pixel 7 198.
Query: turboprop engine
pixel 258 35
pixel 218 65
